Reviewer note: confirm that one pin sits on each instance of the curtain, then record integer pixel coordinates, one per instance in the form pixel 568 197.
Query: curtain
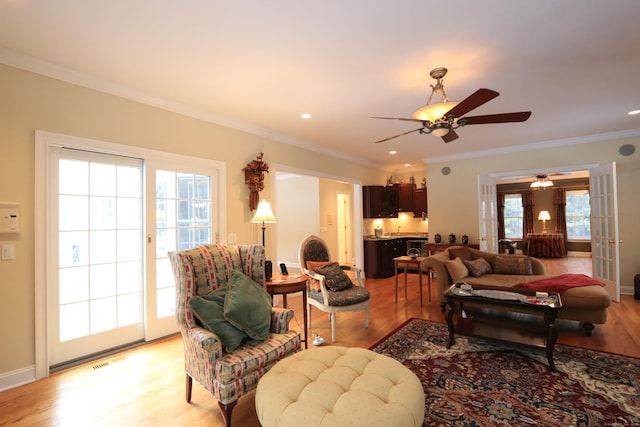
pixel 501 232
pixel 560 203
pixel 527 216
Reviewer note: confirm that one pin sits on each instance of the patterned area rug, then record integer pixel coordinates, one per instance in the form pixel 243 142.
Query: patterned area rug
pixel 481 382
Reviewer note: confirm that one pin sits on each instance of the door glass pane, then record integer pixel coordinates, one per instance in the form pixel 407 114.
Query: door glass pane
pixel 100 252
pixel 183 221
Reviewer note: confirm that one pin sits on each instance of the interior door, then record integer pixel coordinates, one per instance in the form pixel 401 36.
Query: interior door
pixel 605 240
pixel 488 214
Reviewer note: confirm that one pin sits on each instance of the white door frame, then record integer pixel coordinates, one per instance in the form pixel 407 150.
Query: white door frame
pixel 44 143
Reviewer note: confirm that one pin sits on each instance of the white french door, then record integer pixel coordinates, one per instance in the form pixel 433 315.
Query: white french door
pixel 106 215
pixel 95 243
pixel 605 240
pixel 181 214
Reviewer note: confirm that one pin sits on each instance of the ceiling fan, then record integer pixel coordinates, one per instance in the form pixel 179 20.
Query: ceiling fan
pixel 442 118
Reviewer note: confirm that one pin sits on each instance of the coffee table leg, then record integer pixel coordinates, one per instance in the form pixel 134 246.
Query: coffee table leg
pixel 552 337
pixel 450 306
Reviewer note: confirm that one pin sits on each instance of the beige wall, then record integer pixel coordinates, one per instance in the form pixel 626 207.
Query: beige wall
pixel 459 214
pixel 31 102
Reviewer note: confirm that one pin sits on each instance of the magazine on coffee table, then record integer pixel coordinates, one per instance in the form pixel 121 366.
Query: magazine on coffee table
pixel 540 298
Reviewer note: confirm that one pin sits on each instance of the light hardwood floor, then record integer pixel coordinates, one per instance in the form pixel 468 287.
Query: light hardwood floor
pixel 144 386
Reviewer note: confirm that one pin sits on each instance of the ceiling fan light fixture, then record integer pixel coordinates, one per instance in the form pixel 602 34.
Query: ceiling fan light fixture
pixel 433 112
pixel 440 131
pixel 542 181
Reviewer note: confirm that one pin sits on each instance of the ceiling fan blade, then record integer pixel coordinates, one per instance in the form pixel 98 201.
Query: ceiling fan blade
pixel 396 136
pixel 397 118
pixel 498 118
pixel 471 102
pixel 450 136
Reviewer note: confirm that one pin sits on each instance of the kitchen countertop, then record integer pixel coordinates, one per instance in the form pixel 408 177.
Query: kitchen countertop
pixel 415 236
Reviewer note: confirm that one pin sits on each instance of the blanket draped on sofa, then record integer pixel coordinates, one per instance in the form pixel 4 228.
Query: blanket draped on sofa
pixel 560 283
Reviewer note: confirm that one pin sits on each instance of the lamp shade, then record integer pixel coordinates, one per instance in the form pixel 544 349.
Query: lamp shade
pixel 544 216
pixel 264 214
pixel 433 112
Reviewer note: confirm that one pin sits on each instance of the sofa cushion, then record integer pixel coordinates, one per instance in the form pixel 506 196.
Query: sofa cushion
pixel 512 265
pixel 457 270
pixel 313 266
pixel 460 252
pixel 335 278
pixel 477 267
pixel 209 310
pixel 247 306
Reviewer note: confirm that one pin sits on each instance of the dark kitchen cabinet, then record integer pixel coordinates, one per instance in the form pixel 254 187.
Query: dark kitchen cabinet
pixel 405 197
pixel 420 203
pixel 379 201
pixel 379 255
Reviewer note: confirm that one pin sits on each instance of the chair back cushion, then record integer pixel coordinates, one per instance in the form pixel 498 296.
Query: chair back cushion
pixel 203 269
pixel 314 249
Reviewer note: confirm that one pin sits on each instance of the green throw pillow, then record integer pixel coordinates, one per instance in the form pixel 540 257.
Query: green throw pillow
pixel 247 306
pixel 209 310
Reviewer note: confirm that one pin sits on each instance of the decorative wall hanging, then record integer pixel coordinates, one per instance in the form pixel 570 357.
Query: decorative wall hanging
pixel 254 178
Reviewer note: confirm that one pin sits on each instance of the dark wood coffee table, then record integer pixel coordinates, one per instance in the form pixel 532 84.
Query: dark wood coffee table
pixel 507 314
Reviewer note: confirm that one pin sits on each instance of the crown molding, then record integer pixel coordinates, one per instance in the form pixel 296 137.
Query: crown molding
pixel 610 136
pixel 55 71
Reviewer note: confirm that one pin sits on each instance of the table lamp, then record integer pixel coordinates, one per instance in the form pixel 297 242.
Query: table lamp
pixel 544 217
pixel 264 215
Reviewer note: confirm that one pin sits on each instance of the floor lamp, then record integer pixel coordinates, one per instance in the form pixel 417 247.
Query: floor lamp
pixel 264 215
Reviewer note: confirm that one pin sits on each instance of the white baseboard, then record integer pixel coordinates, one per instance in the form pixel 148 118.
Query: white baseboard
pixel 17 378
pixel 626 290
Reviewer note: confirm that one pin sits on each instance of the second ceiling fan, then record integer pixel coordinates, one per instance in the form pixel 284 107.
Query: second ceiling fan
pixel 442 118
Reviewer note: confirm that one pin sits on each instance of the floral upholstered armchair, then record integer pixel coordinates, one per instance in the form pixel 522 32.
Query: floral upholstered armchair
pixel 221 288
pixel 330 289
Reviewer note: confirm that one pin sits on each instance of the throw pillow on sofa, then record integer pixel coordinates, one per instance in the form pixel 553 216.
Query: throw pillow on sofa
pixel 477 267
pixel 457 270
pixel 512 265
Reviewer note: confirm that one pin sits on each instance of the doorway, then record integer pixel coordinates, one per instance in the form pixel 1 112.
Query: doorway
pixel 313 209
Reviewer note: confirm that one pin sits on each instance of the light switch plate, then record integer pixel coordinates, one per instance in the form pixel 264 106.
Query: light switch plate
pixel 8 252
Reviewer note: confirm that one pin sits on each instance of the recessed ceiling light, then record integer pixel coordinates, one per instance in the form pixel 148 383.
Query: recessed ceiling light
pixel 393 152
pixel 631 113
pixel 305 115
pixel 407 164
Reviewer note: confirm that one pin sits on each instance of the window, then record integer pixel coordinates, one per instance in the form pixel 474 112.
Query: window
pixel 578 214
pixel 513 213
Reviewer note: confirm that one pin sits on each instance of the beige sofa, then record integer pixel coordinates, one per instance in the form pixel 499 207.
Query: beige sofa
pixel 586 304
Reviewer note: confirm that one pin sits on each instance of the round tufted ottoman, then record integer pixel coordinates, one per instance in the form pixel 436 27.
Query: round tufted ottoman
pixel 339 386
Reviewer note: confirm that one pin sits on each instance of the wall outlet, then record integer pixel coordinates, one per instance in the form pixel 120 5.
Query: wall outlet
pixel 232 238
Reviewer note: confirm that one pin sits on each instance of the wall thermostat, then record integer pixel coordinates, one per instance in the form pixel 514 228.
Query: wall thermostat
pixel 9 217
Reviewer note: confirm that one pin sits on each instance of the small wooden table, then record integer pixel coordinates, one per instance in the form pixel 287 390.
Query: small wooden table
pixel 290 284
pixel 546 245
pixel 407 262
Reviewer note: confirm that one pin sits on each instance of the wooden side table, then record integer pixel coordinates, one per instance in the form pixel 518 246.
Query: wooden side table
pixel 406 262
pixel 284 285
